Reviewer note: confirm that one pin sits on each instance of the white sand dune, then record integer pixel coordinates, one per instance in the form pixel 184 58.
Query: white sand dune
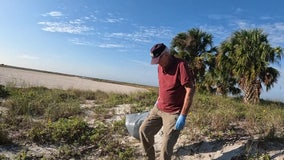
pixel 23 77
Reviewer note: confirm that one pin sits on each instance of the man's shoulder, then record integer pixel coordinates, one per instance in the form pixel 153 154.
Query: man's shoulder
pixel 180 60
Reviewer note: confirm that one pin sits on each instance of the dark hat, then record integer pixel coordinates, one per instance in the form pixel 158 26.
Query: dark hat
pixel 156 52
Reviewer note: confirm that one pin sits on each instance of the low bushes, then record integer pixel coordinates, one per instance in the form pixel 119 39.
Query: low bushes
pixel 55 117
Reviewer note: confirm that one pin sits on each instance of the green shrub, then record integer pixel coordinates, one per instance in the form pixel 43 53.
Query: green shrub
pixel 4 138
pixel 3 92
pixel 119 127
pixel 75 131
pixel 59 110
pixel 40 101
pixel 64 130
pixel 3 157
pixel 22 156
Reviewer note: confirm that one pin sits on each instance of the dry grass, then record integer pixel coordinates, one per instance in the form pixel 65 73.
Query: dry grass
pixel 54 117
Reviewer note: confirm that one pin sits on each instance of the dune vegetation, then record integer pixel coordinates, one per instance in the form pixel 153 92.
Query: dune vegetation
pixel 81 124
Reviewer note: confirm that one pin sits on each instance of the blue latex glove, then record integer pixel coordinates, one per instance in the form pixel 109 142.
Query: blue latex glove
pixel 180 122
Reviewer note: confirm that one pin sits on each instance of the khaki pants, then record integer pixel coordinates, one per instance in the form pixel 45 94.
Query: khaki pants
pixel 150 127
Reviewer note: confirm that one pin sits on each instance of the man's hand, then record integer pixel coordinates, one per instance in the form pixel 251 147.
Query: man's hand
pixel 180 122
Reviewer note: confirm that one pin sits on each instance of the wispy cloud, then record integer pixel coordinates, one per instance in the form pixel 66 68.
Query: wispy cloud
pixel 266 18
pixel 109 45
pixel 111 18
pixel 275 32
pixel 53 14
pixel 81 42
pixel 139 35
pixel 143 34
pixel 76 21
pixel 222 31
pixel 160 32
pixel 219 32
pixel 238 11
pixel 244 24
pixel 72 27
pixel 105 38
pixel 135 36
pixel 114 20
pixel 25 56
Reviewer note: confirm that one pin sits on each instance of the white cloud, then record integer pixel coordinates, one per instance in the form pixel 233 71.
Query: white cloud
pixel 275 32
pixel 72 27
pixel 111 46
pixel 136 36
pixel 220 33
pixel 238 10
pixel 25 56
pixel 81 42
pixel 144 34
pixel 244 24
pixel 114 20
pixel 76 21
pixel 53 14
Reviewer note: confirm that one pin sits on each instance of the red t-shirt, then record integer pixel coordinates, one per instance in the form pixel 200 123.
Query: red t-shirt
pixel 171 85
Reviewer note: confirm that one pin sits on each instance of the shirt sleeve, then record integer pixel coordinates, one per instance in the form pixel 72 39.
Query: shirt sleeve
pixel 186 75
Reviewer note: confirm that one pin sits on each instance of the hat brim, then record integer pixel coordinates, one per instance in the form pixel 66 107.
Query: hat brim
pixel 155 60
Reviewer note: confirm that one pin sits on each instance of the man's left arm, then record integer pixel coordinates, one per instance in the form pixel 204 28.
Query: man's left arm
pixel 186 106
pixel 187 99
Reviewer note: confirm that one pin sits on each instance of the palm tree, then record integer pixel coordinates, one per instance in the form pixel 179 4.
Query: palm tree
pixel 194 46
pixel 246 56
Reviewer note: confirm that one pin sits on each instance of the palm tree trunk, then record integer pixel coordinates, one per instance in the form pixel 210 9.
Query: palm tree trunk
pixel 251 92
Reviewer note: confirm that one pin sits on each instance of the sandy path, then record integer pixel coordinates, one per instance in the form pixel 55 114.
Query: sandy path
pixel 21 77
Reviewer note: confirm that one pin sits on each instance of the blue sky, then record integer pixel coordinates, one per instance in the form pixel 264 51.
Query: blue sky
pixel 110 39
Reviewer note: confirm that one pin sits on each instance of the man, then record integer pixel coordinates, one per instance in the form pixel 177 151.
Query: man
pixel 176 90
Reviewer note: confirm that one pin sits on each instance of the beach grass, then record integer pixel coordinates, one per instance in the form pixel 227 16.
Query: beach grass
pixel 56 117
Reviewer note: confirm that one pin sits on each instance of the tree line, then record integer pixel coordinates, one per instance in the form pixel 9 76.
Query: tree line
pixel 240 65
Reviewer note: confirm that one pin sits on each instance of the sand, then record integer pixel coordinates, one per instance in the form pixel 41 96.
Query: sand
pixel 27 78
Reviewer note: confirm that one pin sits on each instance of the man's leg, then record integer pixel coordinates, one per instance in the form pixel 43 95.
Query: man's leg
pixel 170 135
pixel 149 128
